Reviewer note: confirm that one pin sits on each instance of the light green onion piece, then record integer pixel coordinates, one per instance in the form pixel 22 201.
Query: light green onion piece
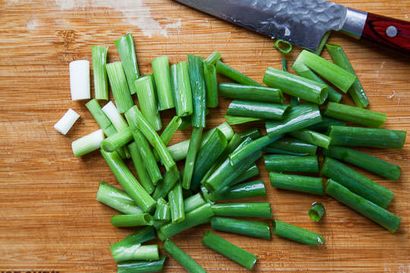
pixel 87 143
pixel 126 50
pixel 162 76
pixel 115 117
pixel 99 60
pixel 119 86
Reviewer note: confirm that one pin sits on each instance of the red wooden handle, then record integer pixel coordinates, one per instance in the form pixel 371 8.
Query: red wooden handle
pixel 389 32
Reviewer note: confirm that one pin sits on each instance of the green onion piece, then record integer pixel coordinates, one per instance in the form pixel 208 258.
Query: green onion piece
pixel 367 137
pixel 252 93
pixel 182 258
pixel 139 165
pixel 194 146
pixel 170 179
pixel 356 91
pixel 325 124
pixel 146 96
pixel 254 109
pixel 292 147
pixel 139 237
pixel 170 130
pixel 297 234
pixel 119 87
pixel 117 140
pixel 313 138
pixel 136 253
pixel 257 209
pixel 88 143
pixel 284 47
pixel 95 109
pixel 356 115
pixel 126 49
pixel 356 182
pixel 291 163
pixel 252 171
pixel 194 218
pixel 381 216
pixel 306 184
pixel 297 118
pixel 117 120
pixel 99 60
pixel 365 161
pixel 193 202
pixel 255 229
pixel 229 250
pixel 284 63
pixel 66 122
pixel 316 212
pixel 196 77
pixel 235 120
pixel 162 211
pixel 252 133
pixel 296 86
pixel 116 199
pixel 181 89
pixel 160 68
pixel 141 267
pixel 213 58
pixel 128 181
pixel 136 220
pixel 211 82
pixel 234 75
pixel 176 203
pixel 336 75
pixel 153 138
pixel 244 190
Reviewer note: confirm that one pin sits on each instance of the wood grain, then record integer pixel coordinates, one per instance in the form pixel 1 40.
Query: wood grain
pixel 49 219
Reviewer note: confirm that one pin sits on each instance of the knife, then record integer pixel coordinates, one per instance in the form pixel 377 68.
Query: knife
pixel 305 23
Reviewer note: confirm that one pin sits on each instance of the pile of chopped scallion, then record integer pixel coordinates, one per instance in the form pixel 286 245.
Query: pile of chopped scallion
pixel 162 198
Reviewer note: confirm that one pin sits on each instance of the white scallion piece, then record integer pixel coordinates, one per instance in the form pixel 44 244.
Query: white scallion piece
pixel 87 143
pixel 80 80
pixel 66 122
pixel 115 117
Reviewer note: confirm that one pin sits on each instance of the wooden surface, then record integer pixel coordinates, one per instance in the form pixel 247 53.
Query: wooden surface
pixel 49 219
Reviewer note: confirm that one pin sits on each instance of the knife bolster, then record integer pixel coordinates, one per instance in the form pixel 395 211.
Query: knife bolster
pixel 355 22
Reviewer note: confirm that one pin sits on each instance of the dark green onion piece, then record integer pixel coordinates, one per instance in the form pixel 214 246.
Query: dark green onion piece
pixel 257 209
pixel 356 115
pixel 194 146
pixel 255 229
pixel 182 258
pixel 126 49
pixel 284 47
pixel 235 120
pixel 356 182
pixel 313 138
pixel 162 212
pixel 325 124
pixel 367 137
pixel 194 218
pixel 234 75
pixel 292 147
pixel 213 58
pixel 296 86
pixel 170 179
pixel 198 87
pixel 306 184
pixel 181 89
pixel 316 212
pixel 136 220
pixel 229 250
pixel 162 76
pixel 297 234
pixel 252 171
pixel 139 237
pixel 211 82
pixel 119 87
pixel 170 130
pixel 116 199
pixel 254 109
pixel 141 267
pixel 99 58
pixel 176 203
pixel 365 161
pixel 381 216
pixel 291 163
pixel 252 133
pixel 140 167
pixel 356 91
pixel 244 190
pixel 136 253
pixel 127 180
pixel 252 93
pixel 117 140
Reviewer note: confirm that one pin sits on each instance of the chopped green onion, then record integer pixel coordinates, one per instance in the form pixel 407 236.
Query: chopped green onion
pixel 176 203
pixel 127 180
pixel 381 216
pixel 80 80
pixel 135 220
pixel 252 133
pixel 316 212
pixel 234 75
pixel 162 211
pixel 170 179
pixel 99 60
pixel 88 143
pixel 170 130
pixel 284 47
pixel 365 161
pixel 137 238
pixel 257 209
pixel 296 86
pixel 306 184
pixel 213 58
pixel 117 120
pixel 325 124
pixel 367 137
pixel 356 91
pixel 116 199
pixel 254 109
pixel 255 229
pixel 356 182
pixel 211 82
pixel 160 68
pixel 141 267
pixel 181 89
pixel 136 252
pixel 139 165
pixel 193 202
pixel 252 171
pixel 194 146
pixel 356 115
pixel 229 250
pixel 291 163
pixel 64 124
pixel 291 146
pixel 146 96
pixel 196 77
pixel 126 49
pixel 102 120
pixel 182 258
pixel 234 120
pixel 313 138
pixel 117 140
pixel 119 87
pixel 244 190
pixel 297 234
pixel 249 92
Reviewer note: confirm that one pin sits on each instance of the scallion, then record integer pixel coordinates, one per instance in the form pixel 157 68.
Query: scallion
pixel 119 86
pixel 126 49
pixel 160 68
pixel 99 60
pixel 64 124
pixel 87 143
pixel 181 89
pixel 80 80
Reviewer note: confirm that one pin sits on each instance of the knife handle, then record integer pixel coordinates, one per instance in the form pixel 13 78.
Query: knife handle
pixel 388 32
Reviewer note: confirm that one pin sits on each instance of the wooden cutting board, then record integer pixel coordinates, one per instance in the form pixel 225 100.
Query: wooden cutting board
pixel 49 219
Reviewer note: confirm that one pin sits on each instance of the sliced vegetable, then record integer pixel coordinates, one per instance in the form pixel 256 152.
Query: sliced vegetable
pixel 291 163
pixel 244 190
pixel 297 234
pixel 170 130
pixel 248 228
pixel 99 60
pixel 135 220
pixel 316 212
pixel 126 49
pixel 257 109
pixel 235 120
pixel 193 202
pixel 196 77
pixel 313 138
pixel 306 184
pixel 170 179
pixel 64 124
pixel 162 211
pixel 102 120
pixel 182 258
pixel 292 147
pixel 252 93
pixel 80 80
pixel 119 87
pixel 176 203
pixel 88 143
pixel 136 253
pixel 181 89
pixel 117 140
pixel 141 267
pixel 117 120
pixel 211 82
pixel 213 58
pixel 235 75
pixel 190 161
pixel 160 68
pixel 140 166
pixel 257 209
